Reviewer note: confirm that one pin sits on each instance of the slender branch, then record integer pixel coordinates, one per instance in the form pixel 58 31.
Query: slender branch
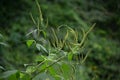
pixel 54 62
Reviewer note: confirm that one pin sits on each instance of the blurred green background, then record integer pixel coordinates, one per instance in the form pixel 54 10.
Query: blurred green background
pixel 15 23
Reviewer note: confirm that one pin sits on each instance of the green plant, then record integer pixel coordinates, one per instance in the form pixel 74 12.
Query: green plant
pixel 57 51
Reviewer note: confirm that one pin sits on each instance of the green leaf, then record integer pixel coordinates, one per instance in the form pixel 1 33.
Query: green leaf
pixel 67 71
pixel 1 36
pixel 4 44
pixel 44 33
pixel 43 76
pixel 39 58
pixel 24 76
pixel 43 66
pixel 2 68
pixel 52 57
pixel 55 73
pixel 40 47
pixel 30 69
pixel 8 74
pixel 52 71
pixel 29 42
pixel 70 56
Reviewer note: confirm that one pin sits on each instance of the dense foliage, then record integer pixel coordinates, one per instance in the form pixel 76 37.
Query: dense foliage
pixel 102 63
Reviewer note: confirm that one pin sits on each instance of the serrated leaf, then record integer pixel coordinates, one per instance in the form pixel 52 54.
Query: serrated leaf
pixel 29 42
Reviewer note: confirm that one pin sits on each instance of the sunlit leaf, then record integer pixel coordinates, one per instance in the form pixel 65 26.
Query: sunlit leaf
pixel 29 42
